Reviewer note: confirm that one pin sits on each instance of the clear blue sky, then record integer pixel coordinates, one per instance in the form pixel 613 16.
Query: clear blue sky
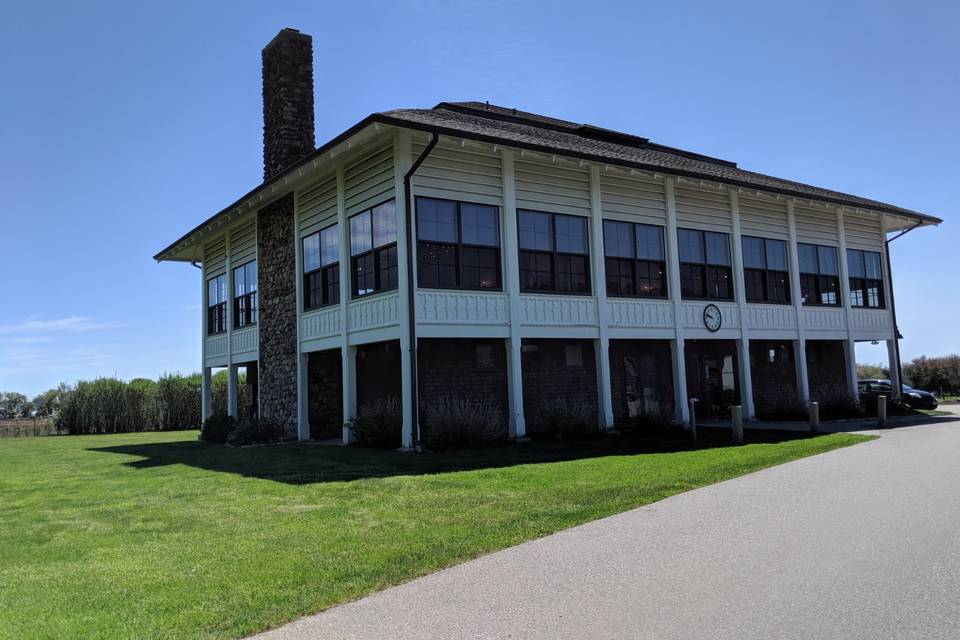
pixel 123 126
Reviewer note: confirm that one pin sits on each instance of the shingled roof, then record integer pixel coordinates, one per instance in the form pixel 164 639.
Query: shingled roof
pixel 511 127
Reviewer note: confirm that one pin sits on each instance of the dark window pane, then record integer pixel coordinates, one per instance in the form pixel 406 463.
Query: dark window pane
pixel 649 242
pixel 718 283
pixel 692 281
pixel 619 277
pixel 778 290
pixel 311 252
pixel 571 274
pixel 479 268
pixel 828 261
pixel 571 234
pixel 478 225
pixel 753 279
pixel 363 274
pixel 807 254
pixel 650 279
pixel 829 290
pixel 776 255
pixel 690 245
pixel 536 271
pixel 618 239
pixel 437 265
pixel 808 289
pixel 535 231
pixel 331 284
pixel 387 271
pixel 857 286
pixel 874 293
pixel 753 253
pixel 436 220
pixel 855 263
pixel 718 248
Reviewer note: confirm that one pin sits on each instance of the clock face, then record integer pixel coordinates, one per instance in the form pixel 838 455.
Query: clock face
pixel 712 318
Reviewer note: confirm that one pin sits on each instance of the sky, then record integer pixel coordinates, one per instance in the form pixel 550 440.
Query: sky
pixel 123 125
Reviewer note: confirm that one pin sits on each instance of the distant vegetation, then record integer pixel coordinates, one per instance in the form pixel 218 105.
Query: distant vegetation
pixel 940 375
pixel 109 405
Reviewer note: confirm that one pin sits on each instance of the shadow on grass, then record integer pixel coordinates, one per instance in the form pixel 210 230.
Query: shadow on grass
pixel 298 463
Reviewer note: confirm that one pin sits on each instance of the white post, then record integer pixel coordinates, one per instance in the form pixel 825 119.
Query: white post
pixel 518 425
pixel 800 344
pixel 402 162
pixel 348 372
pixel 896 390
pixel 740 294
pixel 232 390
pixel 851 362
pixel 206 394
pixel 601 346
pixel 303 397
pixel 736 419
pixel 679 368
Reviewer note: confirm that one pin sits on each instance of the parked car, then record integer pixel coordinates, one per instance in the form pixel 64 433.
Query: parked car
pixel 913 398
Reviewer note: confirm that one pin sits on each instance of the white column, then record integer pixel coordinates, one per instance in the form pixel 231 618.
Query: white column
pixel 681 410
pixel 511 282
pixel 800 344
pixel 303 396
pixel 348 372
pixel 886 272
pixel 601 346
pixel 401 164
pixel 851 350
pixel 348 354
pixel 740 293
pixel 895 382
pixel 230 291
pixel 206 394
pixel 232 390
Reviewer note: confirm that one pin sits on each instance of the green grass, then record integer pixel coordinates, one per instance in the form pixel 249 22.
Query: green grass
pixel 153 535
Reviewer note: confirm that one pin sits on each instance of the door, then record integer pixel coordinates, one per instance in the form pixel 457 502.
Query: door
pixel 712 376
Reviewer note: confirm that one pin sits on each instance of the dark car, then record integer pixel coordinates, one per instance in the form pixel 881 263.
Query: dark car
pixel 913 398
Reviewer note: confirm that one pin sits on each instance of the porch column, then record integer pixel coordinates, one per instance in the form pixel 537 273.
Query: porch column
pixel 511 282
pixel 518 425
pixel 303 396
pixel 601 346
pixel 206 394
pixel 679 368
pixel 851 362
pixel 348 372
pixel 800 364
pixel 402 162
pixel 745 376
pixel 232 390
pixel 895 382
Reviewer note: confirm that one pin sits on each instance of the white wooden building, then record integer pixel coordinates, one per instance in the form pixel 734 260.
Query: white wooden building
pixel 491 229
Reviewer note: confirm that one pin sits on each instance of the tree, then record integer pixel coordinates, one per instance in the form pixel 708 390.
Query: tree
pixel 14 405
pixel 872 372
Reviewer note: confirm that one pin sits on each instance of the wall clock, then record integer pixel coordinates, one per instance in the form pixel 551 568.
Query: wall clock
pixel 712 319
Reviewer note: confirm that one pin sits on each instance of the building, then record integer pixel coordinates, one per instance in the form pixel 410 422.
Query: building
pixel 542 259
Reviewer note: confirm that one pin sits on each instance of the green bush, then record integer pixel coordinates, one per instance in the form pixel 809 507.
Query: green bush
pixel 837 404
pixel 561 417
pixel 789 406
pixel 649 420
pixel 378 424
pixel 216 428
pixel 255 432
pixel 454 421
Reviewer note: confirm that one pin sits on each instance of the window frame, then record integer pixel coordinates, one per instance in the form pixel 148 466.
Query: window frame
pixel 217 311
pixel 766 272
pixel 706 266
pixel 819 287
pixel 635 261
pixel 323 272
pixel 375 254
pixel 246 312
pixel 864 282
pixel 459 245
pixel 554 254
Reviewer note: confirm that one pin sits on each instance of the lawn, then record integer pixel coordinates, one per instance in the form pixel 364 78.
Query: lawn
pixel 155 535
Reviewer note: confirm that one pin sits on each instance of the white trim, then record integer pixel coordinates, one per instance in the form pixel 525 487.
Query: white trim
pixel 740 294
pixel 511 282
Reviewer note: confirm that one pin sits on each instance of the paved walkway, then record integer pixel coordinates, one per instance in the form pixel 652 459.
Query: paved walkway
pixel 863 542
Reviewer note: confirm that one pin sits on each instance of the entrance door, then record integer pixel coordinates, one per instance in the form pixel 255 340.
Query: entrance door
pixel 712 376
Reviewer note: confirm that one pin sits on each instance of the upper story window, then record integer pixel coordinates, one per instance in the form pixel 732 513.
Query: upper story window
pixel 765 270
pixel 634 259
pixel 704 264
pixel 458 245
pixel 866 279
pixel 819 274
pixel 321 268
pixel 245 295
pixel 217 304
pixel 373 250
pixel 553 253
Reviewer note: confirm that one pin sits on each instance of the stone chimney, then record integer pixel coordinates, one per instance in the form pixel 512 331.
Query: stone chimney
pixel 287 101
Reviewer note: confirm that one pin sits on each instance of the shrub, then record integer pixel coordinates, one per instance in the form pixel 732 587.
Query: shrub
pixel 838 405
pixel 378 424
pixel 216 428
pixel 560 417
pixel 649 420
pixel 788 406
pixel 454 421
pixel 255 432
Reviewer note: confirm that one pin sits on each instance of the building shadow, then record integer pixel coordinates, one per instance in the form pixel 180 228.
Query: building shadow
pixel 302 463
